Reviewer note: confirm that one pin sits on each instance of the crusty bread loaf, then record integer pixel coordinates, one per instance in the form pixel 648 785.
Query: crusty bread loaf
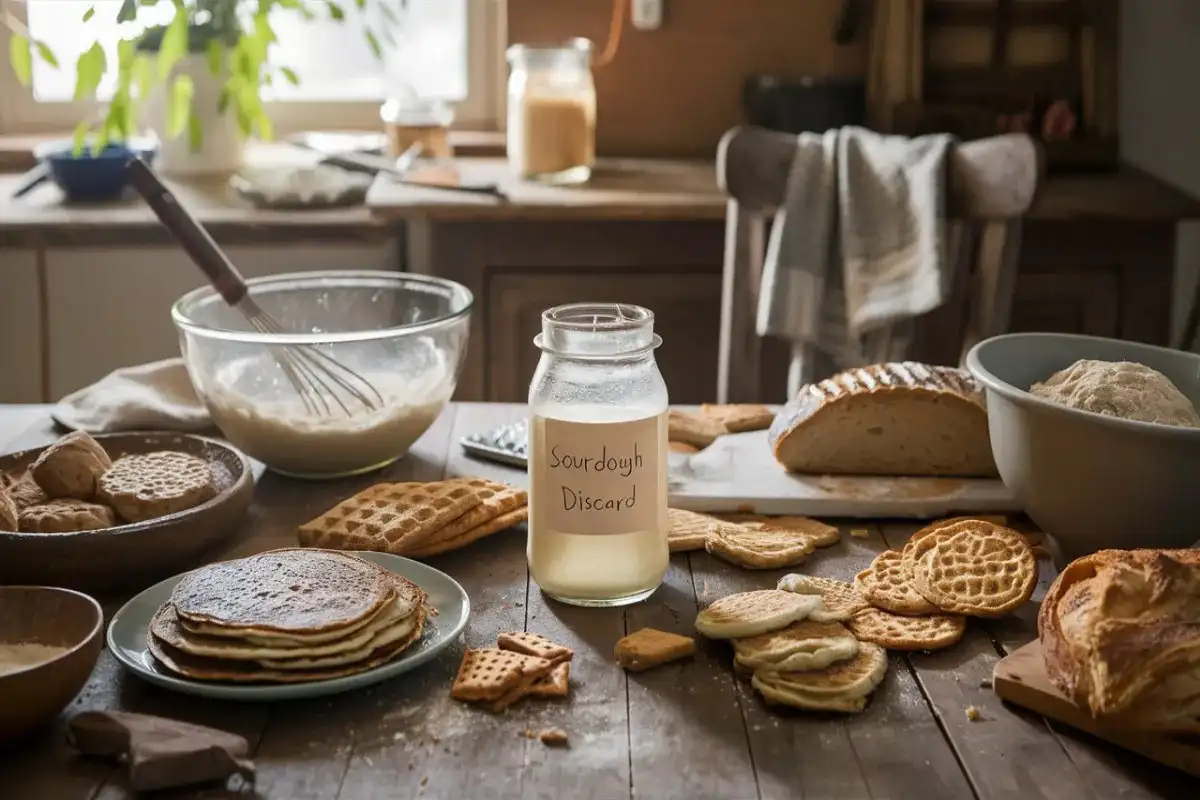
pixel 887 419
pixel 1120 634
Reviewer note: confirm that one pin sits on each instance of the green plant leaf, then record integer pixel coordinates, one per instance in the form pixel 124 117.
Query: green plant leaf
pixel 389 13
pixel 46 53
pixel 174 44
pixel 91 12
pixel 21 58
pixel 128 12
pixel 215 54
pixel 361 4
pixel 223 100
pixel 143 74
pixel 373 43
pixel 335 11
pixel 179 104
pixel 89 71
pixel 195 133
pixel 290 75
pixel 80 136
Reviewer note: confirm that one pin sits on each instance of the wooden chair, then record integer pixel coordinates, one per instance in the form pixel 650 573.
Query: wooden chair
pixel 991 184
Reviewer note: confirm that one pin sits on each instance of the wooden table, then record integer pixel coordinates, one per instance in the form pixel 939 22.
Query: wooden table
pixel 687 730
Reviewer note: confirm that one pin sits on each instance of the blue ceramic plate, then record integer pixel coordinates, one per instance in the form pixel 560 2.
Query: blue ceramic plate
pixel 127 639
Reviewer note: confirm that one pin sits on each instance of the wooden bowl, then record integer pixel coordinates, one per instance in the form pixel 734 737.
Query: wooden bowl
pixel 34 696
pixel 138 554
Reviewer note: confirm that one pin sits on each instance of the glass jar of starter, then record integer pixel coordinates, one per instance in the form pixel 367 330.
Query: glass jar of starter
pixel 551 128
pixel 598 456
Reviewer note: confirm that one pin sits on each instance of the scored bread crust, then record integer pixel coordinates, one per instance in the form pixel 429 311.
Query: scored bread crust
pixel 857 421
pixel 1120 637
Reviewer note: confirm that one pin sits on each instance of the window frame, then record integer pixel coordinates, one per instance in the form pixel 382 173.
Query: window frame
pixel 483 109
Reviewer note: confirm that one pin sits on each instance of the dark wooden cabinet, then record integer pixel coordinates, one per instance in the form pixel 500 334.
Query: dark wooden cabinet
pixel 518 269
pixel 685 304
pixel 1096 258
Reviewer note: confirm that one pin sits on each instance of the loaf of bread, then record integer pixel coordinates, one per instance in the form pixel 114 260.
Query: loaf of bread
pixel 1120 632
pixel 887 419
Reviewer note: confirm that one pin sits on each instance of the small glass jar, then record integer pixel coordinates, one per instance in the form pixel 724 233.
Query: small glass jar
pixel 551 127
pixel 598 456
pixel 409 119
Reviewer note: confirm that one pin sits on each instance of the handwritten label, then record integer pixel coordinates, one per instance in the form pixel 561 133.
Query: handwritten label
pixel 598 478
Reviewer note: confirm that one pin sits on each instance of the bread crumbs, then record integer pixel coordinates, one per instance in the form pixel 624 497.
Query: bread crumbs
pixel 860 533
pixel 972 713
pixel 554 737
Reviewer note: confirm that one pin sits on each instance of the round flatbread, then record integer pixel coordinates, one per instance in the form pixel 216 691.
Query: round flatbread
pixel 896 632
pixel 973 567
pixel 886 585
pixel 803 645
pixel 71 467
pixel 289 592
pixel 839 600
pixel 753 613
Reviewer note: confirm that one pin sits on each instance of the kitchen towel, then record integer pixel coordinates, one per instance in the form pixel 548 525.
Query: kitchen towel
pixel 156 396
pixel 857 249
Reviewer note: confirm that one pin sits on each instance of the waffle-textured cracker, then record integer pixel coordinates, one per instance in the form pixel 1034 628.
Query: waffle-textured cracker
pixel 531 644
pixel 490 673
pixel 381 516
pixel 495 500
pixel 973 567
pixel 501 523
pixel 886 585
pixel 65 516
pixel 896 632
pixel 151 485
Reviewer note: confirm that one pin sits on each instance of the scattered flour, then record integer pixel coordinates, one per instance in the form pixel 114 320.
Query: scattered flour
pixel 15 657
pixel 1121 389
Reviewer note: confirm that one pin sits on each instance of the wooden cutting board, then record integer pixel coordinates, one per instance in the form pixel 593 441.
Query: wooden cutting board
pixel 739 472
pixel 1021 679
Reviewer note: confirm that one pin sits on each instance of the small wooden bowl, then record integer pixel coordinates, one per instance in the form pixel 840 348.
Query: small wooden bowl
pixel 134 555
pixel 34 696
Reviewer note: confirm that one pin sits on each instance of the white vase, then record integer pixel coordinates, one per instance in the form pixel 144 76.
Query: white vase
pixel 221 143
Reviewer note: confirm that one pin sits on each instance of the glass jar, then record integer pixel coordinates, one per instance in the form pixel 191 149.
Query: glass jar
pixel 551 127
pixel 598 456
pixel 409 119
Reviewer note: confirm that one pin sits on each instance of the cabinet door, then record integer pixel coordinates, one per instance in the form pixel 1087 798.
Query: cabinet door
pixel 111 308
pixel 1068 302
pixel 686 308
pixel 20 328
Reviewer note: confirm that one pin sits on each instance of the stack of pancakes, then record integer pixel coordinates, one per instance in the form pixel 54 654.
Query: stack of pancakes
pixel 286 616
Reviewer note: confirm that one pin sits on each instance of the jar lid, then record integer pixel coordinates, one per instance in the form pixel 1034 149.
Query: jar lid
pixel 578 47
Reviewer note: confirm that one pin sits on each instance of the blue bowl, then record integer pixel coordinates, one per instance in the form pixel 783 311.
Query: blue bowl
pixel 91 177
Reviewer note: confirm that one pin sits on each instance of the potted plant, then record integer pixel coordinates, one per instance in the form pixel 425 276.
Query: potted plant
pixel 195 78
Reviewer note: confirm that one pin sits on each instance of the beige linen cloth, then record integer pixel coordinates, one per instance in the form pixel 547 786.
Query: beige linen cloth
pixel 156 396
pixel 857 250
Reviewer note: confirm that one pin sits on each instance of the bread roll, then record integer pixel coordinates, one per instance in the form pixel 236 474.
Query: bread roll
pixel 887 419
pixel 1120 631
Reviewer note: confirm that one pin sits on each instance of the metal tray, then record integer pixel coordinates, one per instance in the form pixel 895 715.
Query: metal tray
pixel 508 444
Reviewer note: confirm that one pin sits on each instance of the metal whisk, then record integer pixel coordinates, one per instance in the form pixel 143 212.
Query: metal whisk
pixel 323 383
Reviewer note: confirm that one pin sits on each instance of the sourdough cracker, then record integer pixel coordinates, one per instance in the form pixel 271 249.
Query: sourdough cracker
pixel 839 600
pixel 688 530
pixel 531 644
pixel 692 429
pixel 762 548
pixel 492 674
pixel 745 614
pixel 886 585
pixel 554 685
pixel 896 632
pixel 650 647
pixel 973 567
pixel 387 514
pixel 151 485
pixel 495 525
pixel 739 417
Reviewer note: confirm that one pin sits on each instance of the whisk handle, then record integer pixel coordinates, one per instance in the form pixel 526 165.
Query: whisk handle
pixel 196 241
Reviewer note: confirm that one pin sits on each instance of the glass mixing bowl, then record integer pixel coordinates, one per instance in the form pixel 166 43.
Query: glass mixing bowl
pixel 406 335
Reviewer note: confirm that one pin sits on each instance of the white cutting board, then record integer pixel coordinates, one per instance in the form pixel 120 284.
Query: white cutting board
pixel 738 472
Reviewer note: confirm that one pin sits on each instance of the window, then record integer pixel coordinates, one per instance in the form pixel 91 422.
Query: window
pixel 445 49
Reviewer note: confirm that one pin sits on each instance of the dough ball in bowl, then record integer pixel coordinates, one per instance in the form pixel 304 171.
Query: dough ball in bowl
pixel 1088 475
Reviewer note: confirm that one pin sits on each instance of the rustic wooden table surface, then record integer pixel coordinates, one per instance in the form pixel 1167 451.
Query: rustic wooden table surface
pixel 687 730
